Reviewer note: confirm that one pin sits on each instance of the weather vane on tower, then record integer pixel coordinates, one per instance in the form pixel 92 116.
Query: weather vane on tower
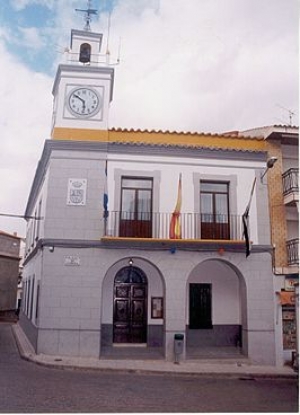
pixel 88 13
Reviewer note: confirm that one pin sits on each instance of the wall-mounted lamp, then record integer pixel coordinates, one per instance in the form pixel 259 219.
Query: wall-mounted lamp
pixel 270 163
pixel 130 262
pixel 51 248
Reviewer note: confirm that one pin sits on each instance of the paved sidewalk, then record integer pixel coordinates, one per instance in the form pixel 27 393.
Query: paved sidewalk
pixel 221 367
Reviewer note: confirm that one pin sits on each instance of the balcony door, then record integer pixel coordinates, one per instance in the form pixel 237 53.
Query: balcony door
pixel 214 205
pixel 136 208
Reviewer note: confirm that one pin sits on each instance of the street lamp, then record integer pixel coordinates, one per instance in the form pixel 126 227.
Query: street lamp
pixel 270 163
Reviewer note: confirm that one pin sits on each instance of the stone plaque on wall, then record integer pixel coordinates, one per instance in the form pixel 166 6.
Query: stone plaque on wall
pixel 72 260
pixel 77 192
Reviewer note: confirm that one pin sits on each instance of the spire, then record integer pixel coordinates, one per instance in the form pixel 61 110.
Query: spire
pixel 88 13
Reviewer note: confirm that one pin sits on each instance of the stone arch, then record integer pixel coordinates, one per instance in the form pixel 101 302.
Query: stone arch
pixel 227 287
pixel 155 289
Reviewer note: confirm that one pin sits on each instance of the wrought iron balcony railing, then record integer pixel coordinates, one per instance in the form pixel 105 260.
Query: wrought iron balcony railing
pixel 157 226
pixel 292 247
pixel 290 181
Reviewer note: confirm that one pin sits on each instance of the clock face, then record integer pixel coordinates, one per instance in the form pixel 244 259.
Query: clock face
pixel 84 102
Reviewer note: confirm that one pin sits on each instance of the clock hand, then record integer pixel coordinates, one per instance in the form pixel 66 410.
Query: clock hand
pixel 82 100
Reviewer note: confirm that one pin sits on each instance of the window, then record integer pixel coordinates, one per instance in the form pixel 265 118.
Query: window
pixel 214 208
pixel 37 301
pixel 136 207
pixel 27 296
pixel 130 274
pixel 85 53
pixel 38 220
pixel 31 298
pixel 200 315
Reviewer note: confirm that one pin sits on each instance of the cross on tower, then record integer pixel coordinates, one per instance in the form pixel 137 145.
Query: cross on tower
pixel 88 13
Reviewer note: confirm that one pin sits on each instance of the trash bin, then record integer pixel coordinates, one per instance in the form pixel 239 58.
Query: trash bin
pixel 178 345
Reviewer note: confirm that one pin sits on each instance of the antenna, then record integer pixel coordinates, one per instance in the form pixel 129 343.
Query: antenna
pixel 88 13
pixel 291 113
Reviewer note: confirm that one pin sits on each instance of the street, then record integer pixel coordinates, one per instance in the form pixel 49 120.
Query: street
pixel 29 388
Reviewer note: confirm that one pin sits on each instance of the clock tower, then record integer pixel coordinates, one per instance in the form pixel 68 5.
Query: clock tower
pixel 83 89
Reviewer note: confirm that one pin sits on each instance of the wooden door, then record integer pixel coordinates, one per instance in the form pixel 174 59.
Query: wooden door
pixel 214 206
pixel 136 208
pixel 130 313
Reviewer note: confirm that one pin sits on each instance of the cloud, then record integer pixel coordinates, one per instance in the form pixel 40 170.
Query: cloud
pixel 202 67
pixel 19 5
pixel 31 37
pixel 26 105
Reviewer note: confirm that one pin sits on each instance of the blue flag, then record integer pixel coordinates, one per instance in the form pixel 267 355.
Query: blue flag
pixel 105 195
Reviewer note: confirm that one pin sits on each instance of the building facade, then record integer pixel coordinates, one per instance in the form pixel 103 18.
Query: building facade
pixel 9 274
pixel 283 186
pixel 135 237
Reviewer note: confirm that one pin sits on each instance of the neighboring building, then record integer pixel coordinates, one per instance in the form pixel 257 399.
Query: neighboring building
pixel 283 185
pixel 9 273
pixel 139 234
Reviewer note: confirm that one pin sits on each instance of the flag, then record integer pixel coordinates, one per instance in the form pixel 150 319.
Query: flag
pixel 175 228
pixel 245 219
pixel 105 194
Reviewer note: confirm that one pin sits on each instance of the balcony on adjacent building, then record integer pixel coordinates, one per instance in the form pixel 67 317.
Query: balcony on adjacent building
pixel 290 183
pixel 292 247
pixel 184 226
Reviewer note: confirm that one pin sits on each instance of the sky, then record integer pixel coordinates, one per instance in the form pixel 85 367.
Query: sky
pixel 184 65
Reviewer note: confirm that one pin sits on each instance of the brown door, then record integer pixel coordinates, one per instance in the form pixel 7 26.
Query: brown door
pixel 200 306
pixel 130 313
pixel 214 205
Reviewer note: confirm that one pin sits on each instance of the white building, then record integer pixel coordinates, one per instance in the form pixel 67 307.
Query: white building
pixel 97 279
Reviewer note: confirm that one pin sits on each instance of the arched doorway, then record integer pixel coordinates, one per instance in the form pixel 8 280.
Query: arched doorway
pixel 130 306
pixel 216 309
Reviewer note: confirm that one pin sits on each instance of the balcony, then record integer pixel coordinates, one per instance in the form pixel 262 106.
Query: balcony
pixel 193 226
pixel 292 247
pixel 290 184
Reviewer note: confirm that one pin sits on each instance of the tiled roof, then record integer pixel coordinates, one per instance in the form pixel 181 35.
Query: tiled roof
pixel 266 130
pixel 168 139
pixel 231 134
pixel 183 146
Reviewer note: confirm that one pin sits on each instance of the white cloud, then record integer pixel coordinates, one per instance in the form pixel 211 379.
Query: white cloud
pixel 31 37
pixel 26 105
pixel 203 66
pixel 22 4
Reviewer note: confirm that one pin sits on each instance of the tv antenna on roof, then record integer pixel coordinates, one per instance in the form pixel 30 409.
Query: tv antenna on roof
pixel 291 113
pixel 88 13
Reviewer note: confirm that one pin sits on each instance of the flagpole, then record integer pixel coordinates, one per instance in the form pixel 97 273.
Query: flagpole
pixel 105 200
pixel 245 219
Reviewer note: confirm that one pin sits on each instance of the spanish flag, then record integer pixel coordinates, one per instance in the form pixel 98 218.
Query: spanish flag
pixel 175 228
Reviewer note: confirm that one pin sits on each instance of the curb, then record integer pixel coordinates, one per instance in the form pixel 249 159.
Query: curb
pixel 247 375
